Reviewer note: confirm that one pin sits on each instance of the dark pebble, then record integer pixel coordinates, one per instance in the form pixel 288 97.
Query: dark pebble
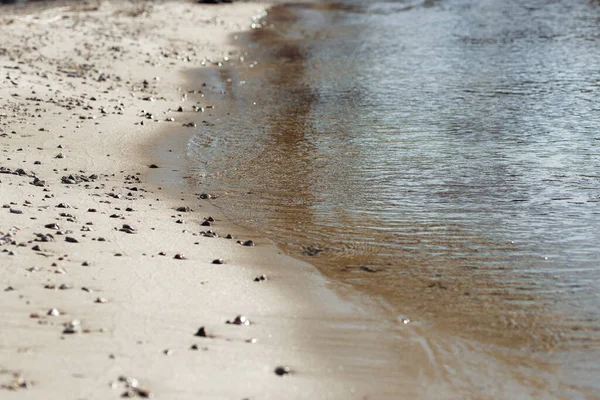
pixel 218 261
pixel 71 239
pixel 201 332
pixel 239 320
pixel 282 371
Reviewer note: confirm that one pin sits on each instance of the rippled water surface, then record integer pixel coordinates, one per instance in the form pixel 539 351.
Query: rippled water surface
pixel 443 155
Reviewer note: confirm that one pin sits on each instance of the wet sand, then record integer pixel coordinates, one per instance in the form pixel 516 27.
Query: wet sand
pixel 110 288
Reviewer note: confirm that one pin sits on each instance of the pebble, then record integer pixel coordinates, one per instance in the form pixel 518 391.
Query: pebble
pixel 282 371
pixel 201 332
pixel 239 320
pixel 71 239
pixel 73 327
pixel 128 229
pixel 53 312
pixel 180 257
pixel 15 211
pixel 101 300
pixel 218 261
pixel 260 278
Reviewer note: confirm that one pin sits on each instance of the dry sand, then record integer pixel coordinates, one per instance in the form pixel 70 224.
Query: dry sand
pixel 82 231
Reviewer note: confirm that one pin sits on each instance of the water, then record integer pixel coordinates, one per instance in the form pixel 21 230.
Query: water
pixel 443 155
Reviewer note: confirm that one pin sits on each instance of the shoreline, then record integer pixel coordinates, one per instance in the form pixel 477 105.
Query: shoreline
pixel 91 306
pixel 78 81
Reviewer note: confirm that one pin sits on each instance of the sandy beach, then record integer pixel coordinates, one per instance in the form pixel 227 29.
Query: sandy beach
pixel 116 287
pixel 109 288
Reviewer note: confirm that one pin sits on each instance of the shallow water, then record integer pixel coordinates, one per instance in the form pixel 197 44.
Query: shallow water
pixel 441 154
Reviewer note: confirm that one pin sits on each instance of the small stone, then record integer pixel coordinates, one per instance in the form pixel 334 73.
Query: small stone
pixel 201 332
pixel 71 239
pixel 73 327
pixel 218 261
pixel 152 166
pixel 180 257
pixel 53 312
pixel 64 286
pixel 52 226
pixel 101 300
pixel 240 320
pixel 282 371
pixel 128 229
pixel 15 211
pixel 260 278
pixel 143 393
pixel 168 352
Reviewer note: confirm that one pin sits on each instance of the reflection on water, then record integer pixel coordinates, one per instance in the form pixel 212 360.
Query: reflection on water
pixel 441 154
